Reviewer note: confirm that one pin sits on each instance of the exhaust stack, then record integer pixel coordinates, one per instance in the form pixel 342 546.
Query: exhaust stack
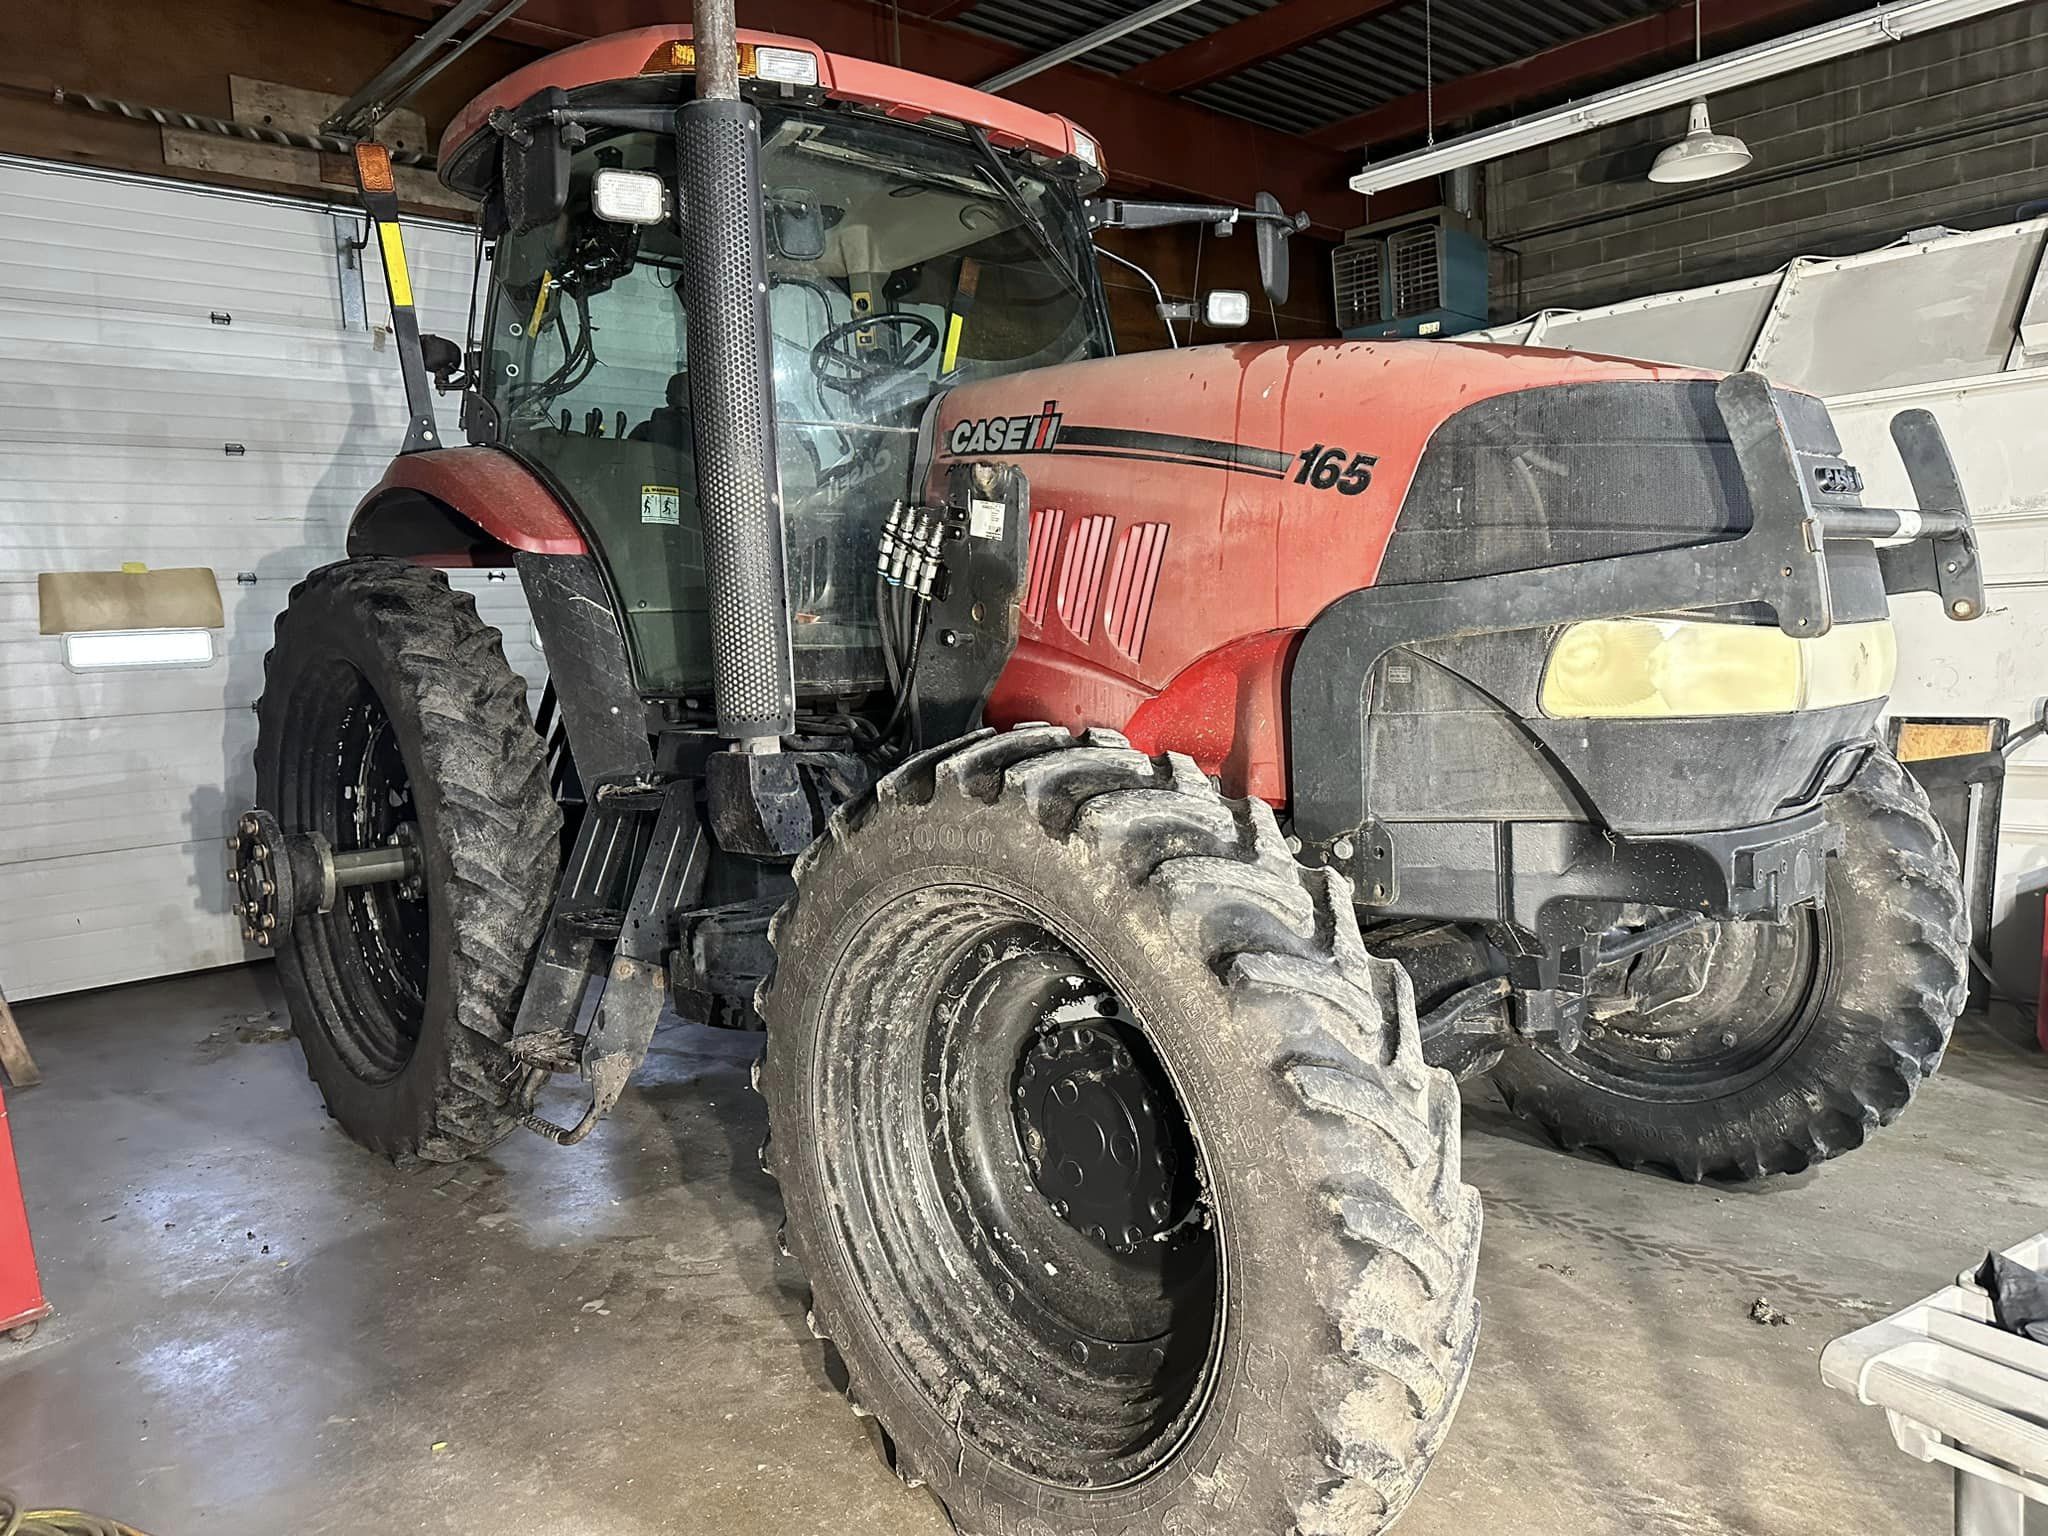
pixel 732 395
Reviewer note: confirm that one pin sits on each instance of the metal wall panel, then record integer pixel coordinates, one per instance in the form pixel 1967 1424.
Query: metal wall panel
pixel 144 326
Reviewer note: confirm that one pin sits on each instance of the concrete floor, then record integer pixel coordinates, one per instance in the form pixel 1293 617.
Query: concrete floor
pixel 261 1328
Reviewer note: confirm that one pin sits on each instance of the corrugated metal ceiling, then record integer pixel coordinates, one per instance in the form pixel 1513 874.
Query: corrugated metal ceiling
pixel 1042 25
pixel 1348 72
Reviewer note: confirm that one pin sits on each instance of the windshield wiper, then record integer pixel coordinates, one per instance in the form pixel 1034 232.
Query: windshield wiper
pixel 1027 216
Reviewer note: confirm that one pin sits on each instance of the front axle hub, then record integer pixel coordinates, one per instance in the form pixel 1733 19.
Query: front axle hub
pixel 1096 1134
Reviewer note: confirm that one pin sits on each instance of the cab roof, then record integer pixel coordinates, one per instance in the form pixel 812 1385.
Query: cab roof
pixel 901 93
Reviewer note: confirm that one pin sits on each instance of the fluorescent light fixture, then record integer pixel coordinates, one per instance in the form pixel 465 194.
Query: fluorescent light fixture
pixel 111 650
pixel 1745 66
pixel 785 66
pixel 628 197
pixel 1702 154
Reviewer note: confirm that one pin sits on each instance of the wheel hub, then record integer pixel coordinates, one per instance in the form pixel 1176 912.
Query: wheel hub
pixel 1095 1133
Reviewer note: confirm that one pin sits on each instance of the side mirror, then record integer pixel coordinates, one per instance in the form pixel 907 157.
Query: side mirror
pixel 1225 309
pixel 1271 235
pixel 444 361
pixel 534 167
pixel 796 224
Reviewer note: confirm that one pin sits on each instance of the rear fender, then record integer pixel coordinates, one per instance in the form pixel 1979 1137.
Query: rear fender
pixel 462 507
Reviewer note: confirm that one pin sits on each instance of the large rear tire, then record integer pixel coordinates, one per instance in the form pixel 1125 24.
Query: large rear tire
pixel 1807 1035
pixel 389 712
pixel 1111 1156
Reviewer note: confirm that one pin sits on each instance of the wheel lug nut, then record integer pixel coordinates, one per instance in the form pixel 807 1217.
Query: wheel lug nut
pixel 1080 1352
pixel 1728 1037
pixel 1159 1210
pixel 1663 1053
pixel 1132 1237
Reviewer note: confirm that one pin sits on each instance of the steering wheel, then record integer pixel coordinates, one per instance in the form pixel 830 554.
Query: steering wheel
pixel 838 365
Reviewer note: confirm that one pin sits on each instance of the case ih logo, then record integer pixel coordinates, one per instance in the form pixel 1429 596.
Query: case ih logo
pixel 1048 432
pixel 1008 434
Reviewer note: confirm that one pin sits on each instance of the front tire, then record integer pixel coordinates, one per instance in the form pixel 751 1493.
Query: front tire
pixel 389 712
pixel 1807 1034
pixel 1111 1156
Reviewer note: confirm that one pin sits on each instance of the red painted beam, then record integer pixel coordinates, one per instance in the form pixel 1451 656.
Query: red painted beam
pixel 1279 29
pixel 1554 71
pixel 1150 141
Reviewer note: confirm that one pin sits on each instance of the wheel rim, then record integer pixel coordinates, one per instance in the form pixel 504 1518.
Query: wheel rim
pixel 1764 985
pixel 373 945
pixel 993 1066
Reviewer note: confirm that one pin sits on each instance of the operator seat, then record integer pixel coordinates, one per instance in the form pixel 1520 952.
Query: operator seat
pixel 670 426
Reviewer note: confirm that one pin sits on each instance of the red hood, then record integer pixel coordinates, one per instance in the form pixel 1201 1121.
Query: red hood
pixel 1216 449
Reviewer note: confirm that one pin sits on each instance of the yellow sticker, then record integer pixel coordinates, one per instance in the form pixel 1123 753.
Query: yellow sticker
pixel 395 275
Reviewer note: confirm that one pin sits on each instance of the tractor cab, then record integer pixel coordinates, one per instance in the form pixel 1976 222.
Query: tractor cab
pixel 906 253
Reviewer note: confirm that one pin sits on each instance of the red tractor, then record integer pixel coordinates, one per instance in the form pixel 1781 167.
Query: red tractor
pixel 1084 766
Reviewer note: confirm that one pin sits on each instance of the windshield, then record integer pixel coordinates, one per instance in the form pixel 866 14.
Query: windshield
pixel 899 265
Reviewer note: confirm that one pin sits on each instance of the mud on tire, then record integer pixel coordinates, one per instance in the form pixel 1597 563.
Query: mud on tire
pixel 1821 1049
pixel 1290 1355
pixel 387 702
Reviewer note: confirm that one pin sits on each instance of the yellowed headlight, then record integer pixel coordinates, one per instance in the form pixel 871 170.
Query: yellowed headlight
pixel 1609 669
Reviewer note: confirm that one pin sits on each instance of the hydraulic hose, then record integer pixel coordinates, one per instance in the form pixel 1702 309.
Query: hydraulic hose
pixel 16 1521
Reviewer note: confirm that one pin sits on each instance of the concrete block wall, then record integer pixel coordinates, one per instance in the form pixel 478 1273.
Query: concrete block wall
pixel 1946 128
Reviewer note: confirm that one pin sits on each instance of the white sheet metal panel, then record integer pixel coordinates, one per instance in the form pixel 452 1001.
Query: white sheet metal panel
pixel 1908 314
pixel 1993 665
pixel 1697 328
pixel 119 393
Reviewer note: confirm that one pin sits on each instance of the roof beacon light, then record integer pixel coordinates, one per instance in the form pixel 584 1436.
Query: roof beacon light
pixel 785 66
pixel 1702 154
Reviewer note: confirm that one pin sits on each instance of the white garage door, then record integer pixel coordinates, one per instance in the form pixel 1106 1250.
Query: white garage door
pixel 177 388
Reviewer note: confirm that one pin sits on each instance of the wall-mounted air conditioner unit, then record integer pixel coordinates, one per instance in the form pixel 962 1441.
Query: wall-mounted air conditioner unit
pixel 1417 276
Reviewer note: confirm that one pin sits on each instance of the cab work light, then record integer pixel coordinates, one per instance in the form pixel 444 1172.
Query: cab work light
pixel 628 197
pixel 786 66
pixel 1611 669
